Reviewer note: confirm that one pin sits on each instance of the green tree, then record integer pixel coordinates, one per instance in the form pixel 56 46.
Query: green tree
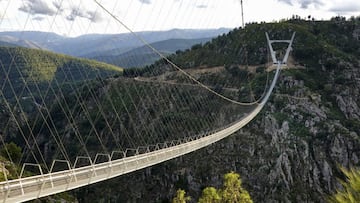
pixel 181 197
pixel 210 195
pixel 350 192
pixel 232 192
pixel 11 152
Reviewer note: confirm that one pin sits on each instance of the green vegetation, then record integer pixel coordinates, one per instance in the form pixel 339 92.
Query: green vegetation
pixel 11 152
pixel 210 194
pixel 350 192
pixel 309 43
pixel 37 69
pixel 39 65
pixel 8 170
pixel 231 192
pixel 322 50
pixel 181 197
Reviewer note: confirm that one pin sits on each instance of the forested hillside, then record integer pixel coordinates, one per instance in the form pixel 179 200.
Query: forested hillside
pixel 32 67
pixel 31 78
pixel 293 150
pixel 38 65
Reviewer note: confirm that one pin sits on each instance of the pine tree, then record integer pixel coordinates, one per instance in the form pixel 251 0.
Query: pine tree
pixel 232 191
pixel 180 197
pixel 11 152
pixel 351 188
pixel 210 194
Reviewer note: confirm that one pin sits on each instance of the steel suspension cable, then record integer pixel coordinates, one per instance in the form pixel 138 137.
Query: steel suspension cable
pixel 170 62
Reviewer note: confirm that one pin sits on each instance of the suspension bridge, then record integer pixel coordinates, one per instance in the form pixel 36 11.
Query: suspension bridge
pixel 28 188
pixel 116 125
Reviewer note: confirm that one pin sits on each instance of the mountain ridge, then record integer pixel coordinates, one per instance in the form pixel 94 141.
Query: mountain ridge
pixel 82 45
pixel 141 56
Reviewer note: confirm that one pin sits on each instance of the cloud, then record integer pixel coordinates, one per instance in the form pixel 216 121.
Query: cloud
pixel 201 6
pixel 38 18
pixel 36 7
pixel 58 6
pixel 303 3
pixel 93 16
pixel 340 7
pixel 306 3
pixel 75 12
pixel 286 1
pixel 346 8
pixel 145 1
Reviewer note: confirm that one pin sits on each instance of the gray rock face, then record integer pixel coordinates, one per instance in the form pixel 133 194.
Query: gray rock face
pixel 348 106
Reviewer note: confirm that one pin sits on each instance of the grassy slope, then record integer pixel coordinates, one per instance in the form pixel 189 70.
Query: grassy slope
pixel 40 65
pixel 28 68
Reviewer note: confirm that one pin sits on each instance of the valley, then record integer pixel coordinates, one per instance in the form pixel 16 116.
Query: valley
pixel 291 152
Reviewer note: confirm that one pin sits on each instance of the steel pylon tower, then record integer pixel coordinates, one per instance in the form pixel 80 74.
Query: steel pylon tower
pixel 242 13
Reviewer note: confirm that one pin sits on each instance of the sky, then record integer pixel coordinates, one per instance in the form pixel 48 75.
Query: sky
pixel 77 17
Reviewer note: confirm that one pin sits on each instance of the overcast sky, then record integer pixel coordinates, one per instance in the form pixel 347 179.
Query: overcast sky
pixel 77 17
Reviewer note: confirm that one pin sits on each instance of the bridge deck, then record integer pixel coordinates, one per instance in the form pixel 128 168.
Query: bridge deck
pixel 43 185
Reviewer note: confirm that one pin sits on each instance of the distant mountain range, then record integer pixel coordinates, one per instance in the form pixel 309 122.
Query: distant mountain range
pixel 144 55
pixel 118 49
